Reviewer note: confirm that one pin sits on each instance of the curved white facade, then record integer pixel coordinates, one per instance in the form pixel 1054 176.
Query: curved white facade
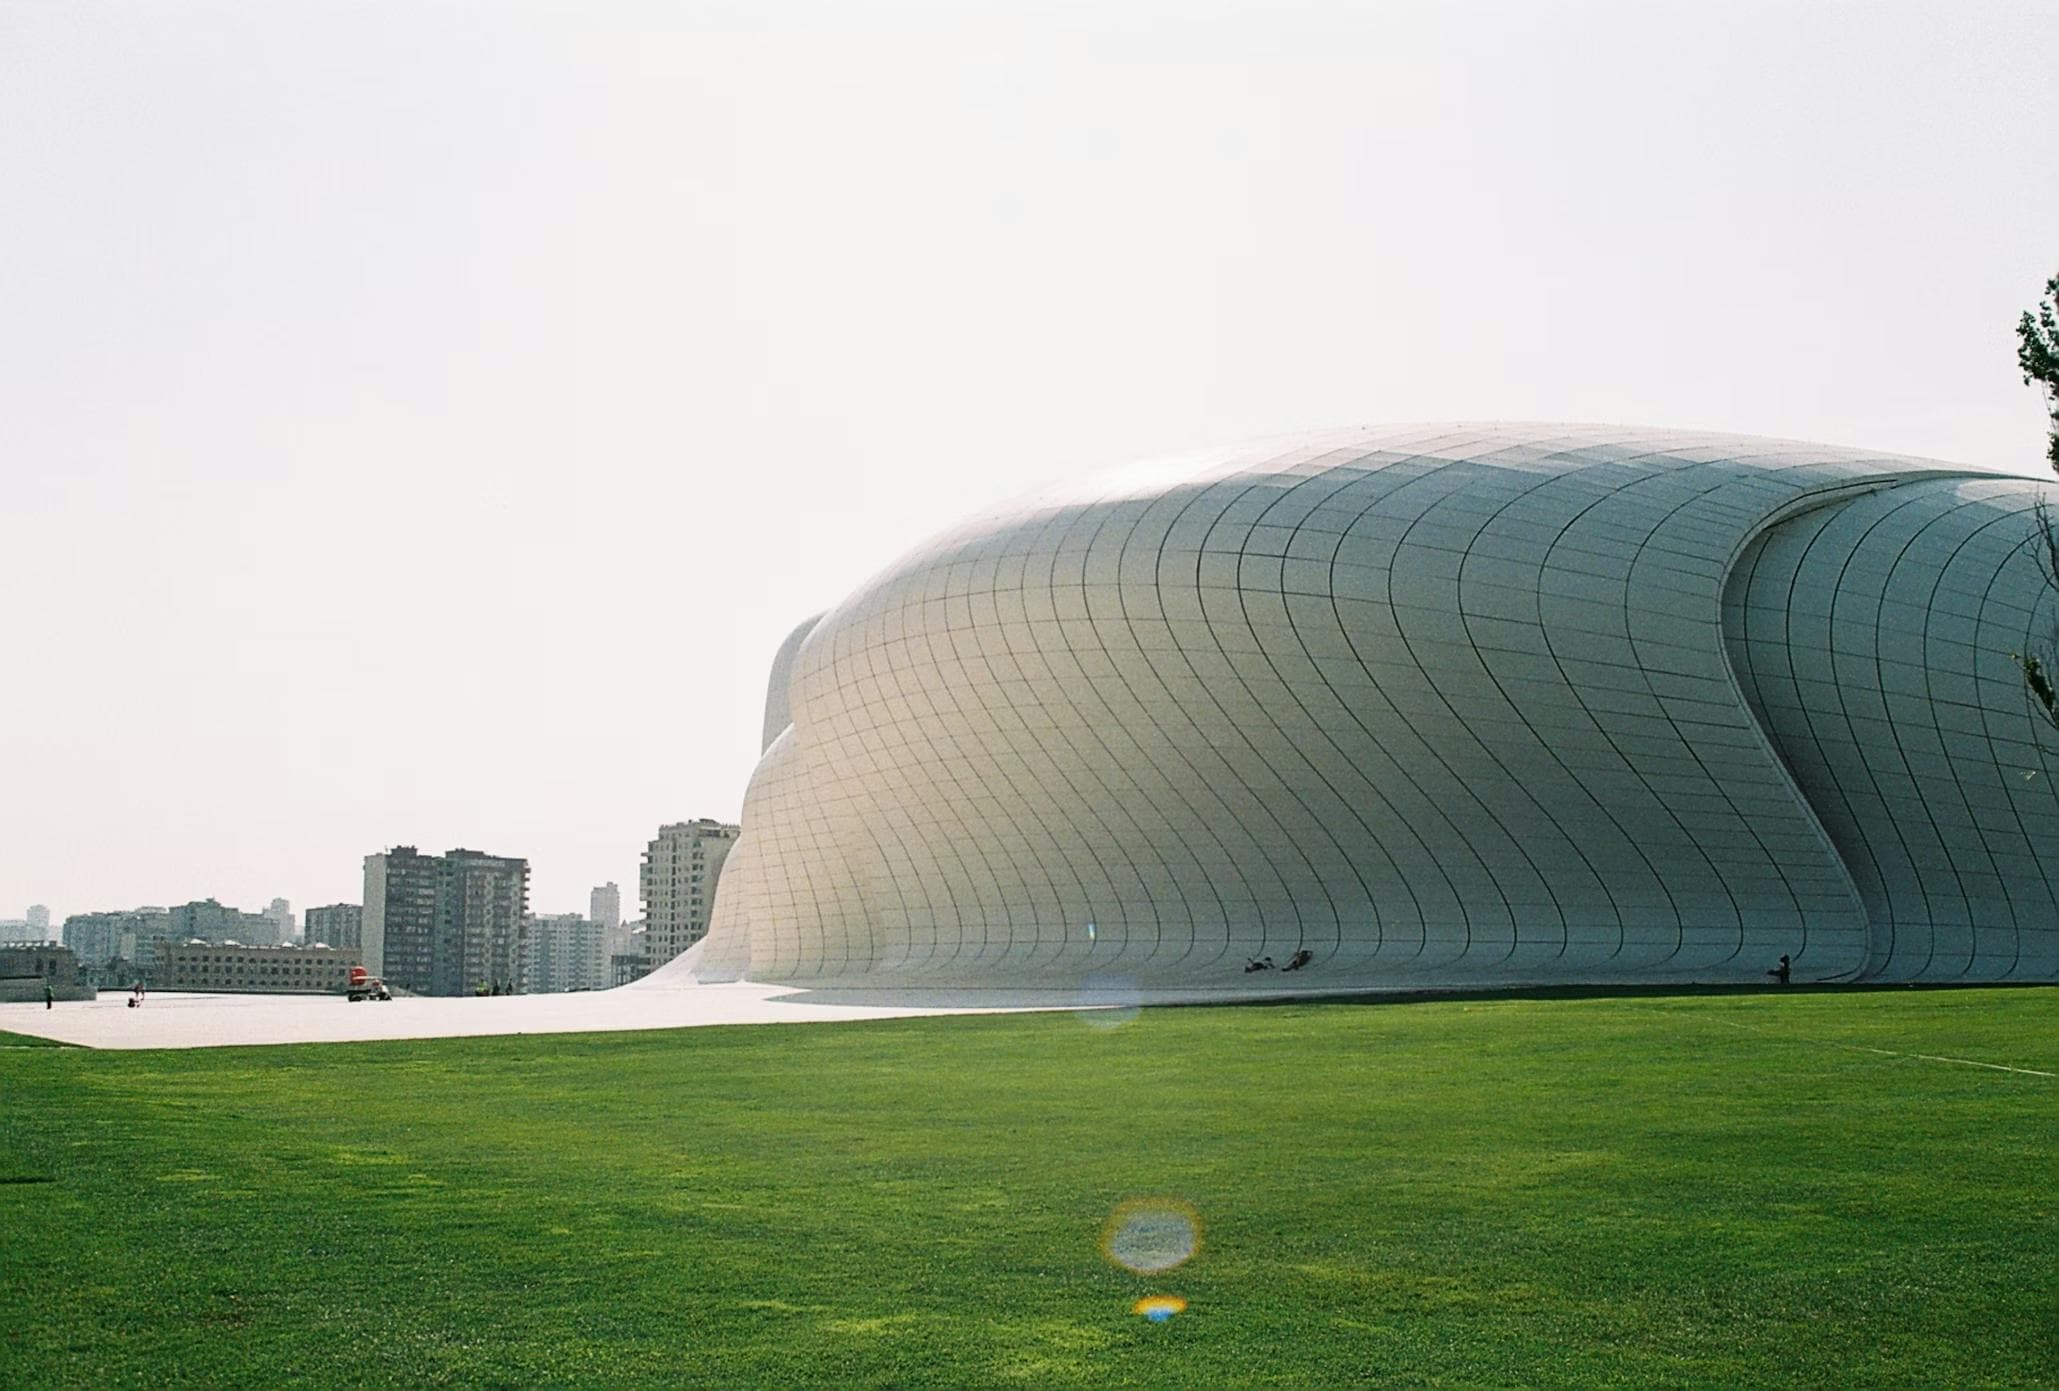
pixel 1438 705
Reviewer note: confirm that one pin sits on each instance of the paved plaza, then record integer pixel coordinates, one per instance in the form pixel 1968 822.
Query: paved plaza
pixel 175 1019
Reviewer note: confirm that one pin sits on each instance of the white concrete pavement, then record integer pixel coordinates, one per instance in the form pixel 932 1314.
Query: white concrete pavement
pixel 172 1019
pixel 177 1019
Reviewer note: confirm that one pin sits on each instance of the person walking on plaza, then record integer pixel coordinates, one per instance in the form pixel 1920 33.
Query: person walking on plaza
pixel 49 996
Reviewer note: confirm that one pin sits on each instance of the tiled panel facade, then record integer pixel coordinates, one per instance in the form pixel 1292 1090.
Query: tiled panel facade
pixel 1873 638
pixel 1436 704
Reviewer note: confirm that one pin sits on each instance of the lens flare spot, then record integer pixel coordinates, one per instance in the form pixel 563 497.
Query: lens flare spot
pixel 1107 1002
pixel 1159 1307
pixel 1150 1235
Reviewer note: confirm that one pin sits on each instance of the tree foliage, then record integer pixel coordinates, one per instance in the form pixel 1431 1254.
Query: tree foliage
pixel 2043 667
pixel 2037 353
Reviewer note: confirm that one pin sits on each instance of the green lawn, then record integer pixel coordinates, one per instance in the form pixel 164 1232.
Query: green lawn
pixel 13 1040
pixel 1712 1190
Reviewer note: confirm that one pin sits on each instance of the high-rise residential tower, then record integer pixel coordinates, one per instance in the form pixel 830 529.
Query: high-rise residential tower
pixel 605 906
pixel 678 879
pixel 446 924
pixel 482 902
pixel 399 915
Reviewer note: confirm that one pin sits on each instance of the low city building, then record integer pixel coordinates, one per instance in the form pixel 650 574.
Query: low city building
pixel 198 965
pixel 40 971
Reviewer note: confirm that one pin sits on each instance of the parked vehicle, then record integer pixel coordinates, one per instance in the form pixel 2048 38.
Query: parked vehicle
pixel 364 986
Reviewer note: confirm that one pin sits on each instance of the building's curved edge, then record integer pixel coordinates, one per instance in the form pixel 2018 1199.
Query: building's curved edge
pixel 1877 798
pixel 1830 495
pixel 778 704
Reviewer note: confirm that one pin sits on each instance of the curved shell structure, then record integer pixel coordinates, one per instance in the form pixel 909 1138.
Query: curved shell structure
pixel 1435 705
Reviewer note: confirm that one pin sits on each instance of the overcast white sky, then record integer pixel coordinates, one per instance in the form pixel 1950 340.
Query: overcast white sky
pixel 420 423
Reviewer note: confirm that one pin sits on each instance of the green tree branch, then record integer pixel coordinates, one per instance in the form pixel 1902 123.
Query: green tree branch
pixel 2037 353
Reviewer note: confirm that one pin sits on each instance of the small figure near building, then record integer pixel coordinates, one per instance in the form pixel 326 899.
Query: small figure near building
pixel 1780 972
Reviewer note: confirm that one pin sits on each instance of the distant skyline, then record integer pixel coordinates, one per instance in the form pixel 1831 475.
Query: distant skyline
pixel 424 424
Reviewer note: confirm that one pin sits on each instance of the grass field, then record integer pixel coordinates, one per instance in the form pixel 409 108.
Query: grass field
pixel 1715 1190
pixel 14 1040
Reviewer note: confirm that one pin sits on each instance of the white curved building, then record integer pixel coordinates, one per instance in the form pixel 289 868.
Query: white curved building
pixel 1436 705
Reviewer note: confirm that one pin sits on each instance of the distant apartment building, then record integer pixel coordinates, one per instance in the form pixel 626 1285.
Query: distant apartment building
pixel 480 911
pixel 281 970
pixel 96 938
pixel 678 879
pixel 142 962
pixel 563 951
pixel 444 924
pixel 33 928
pixel 335 925
pixel 627 960
pixel 604 905
pixel 619 935
pixel 398 922
pixel 215 922
pixel 106 944
pixel 281 913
